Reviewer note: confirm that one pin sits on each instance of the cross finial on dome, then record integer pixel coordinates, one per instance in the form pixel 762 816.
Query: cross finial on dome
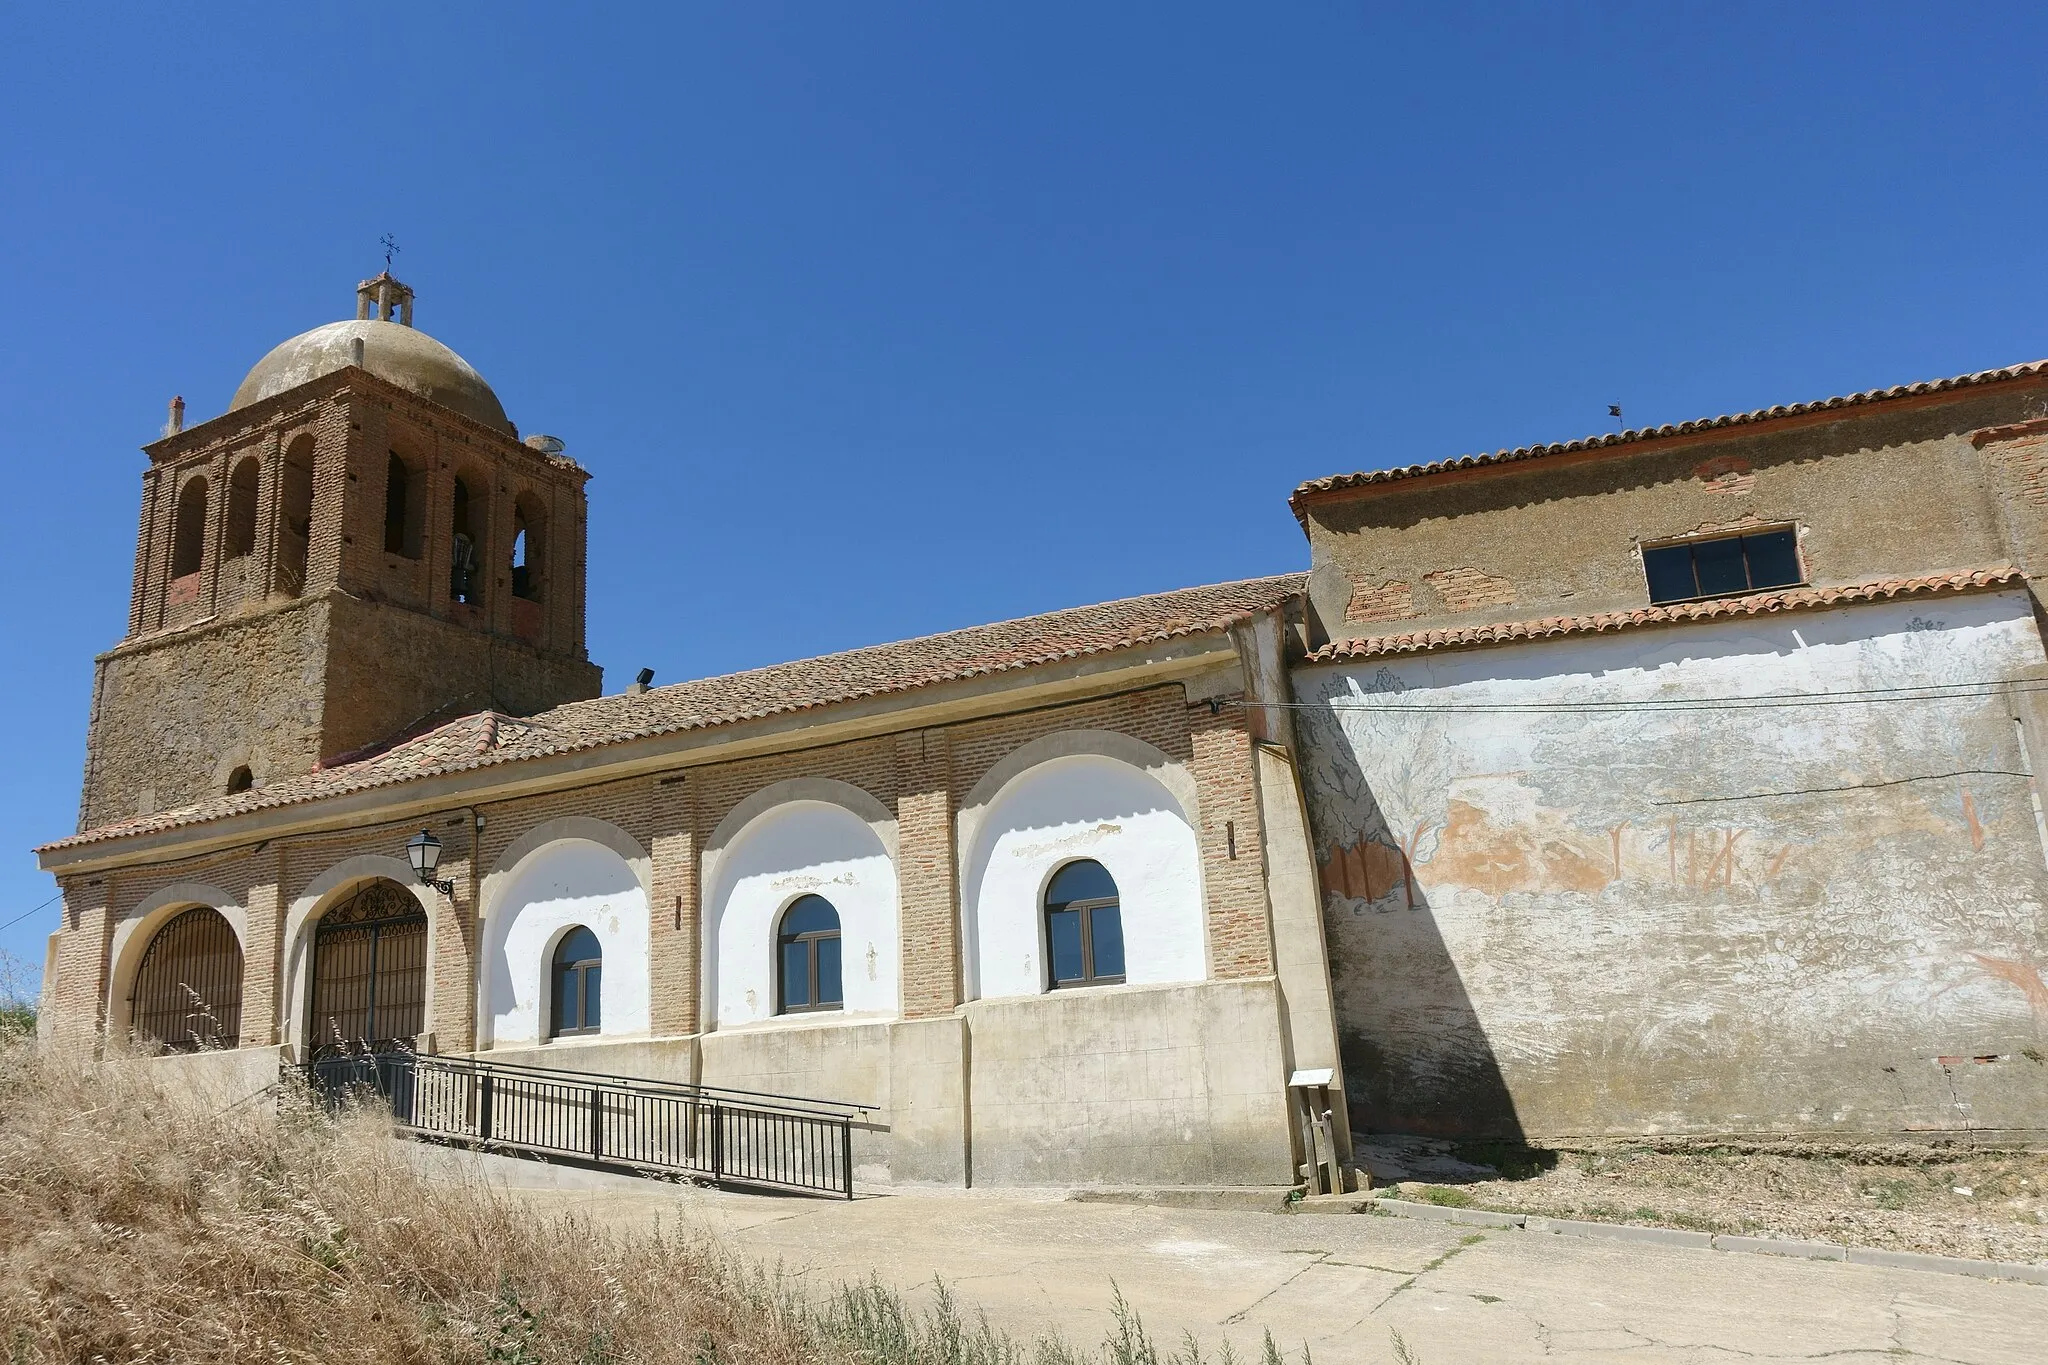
pixel 384 299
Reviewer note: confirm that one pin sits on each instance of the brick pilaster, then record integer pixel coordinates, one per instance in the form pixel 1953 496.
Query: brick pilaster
pixel 80 1002
pixel 674 937
pixel 1232 842
pixel 925 870
pixel 453 972
pixel 262 959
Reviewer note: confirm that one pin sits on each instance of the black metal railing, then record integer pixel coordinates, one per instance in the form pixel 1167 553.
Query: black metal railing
pixel 659 1127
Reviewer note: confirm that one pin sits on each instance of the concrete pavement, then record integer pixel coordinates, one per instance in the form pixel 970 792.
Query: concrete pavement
pixel 1341 1285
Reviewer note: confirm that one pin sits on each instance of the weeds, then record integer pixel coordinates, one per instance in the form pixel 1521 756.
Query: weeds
pixel 1514 1160
pixel 1446 1197
pixel 144 1219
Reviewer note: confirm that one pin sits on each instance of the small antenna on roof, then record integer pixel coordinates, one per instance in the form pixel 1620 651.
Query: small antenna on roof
pixel 390 245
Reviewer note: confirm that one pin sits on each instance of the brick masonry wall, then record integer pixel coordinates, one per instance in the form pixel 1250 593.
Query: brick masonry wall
pixel 1563 536
pixel 87 929
pixel 920 776
pixel 369 645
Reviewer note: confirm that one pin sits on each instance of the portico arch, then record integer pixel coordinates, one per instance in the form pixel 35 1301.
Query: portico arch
pixel 405 921
pixel 135 932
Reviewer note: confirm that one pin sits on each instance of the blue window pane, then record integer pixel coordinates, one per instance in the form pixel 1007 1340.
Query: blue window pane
pixel 810 915
pixel 1106 930
pixel 829 992
pixel 1773 559
pixel 1087 880
pixel 578 945
pixel 1719 565
pixel 1064 929
pixel 593 997
pixel 1670 573
pixel 796 975
pixel 565 1000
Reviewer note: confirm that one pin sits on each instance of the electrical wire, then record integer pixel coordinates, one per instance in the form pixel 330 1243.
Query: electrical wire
pixel 26 913
pixel 1848 787
pixel 1868 696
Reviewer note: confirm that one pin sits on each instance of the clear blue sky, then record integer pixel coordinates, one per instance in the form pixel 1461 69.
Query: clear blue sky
pixel 873 320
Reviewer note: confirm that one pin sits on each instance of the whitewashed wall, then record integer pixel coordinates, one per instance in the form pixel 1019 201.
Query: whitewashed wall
pixel 1082 806
pixel 794 849
pixel 561 885
pixel 1562 920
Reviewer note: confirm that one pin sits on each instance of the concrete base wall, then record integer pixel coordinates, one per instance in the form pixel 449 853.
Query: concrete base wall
pixel 1173 1085
pixel 221 1078
pixel 1170 1085
pixel 659 1059
pixel 846 1061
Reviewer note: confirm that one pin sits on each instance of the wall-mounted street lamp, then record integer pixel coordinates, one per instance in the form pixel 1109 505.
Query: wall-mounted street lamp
pixel 424 853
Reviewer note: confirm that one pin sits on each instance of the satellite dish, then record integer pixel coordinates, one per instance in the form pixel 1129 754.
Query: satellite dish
pixel 546 445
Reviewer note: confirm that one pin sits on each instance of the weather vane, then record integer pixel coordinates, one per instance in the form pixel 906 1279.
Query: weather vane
pixel 390 245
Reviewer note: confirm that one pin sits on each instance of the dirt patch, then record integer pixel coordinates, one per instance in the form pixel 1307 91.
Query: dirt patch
pixel 1946 1200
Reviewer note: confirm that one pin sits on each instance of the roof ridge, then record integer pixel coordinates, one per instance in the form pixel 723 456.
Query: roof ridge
pixel 908 640
pixel 1636 435
pixel 889 669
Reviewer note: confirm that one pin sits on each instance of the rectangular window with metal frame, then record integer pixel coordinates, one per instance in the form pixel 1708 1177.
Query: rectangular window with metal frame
pixel 1723 566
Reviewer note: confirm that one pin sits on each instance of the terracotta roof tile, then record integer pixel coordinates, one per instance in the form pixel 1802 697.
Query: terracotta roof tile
pixel 1335 482
pixel 488 738
pixel 1755 604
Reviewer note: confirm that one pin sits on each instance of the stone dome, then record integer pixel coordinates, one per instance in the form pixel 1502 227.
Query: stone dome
pixel 393 351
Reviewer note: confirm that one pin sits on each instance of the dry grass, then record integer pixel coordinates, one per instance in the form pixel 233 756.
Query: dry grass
pixel 141 1221
pixel 138 1223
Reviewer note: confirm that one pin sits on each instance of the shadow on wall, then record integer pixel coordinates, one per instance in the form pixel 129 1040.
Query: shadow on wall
pixel 1416 1058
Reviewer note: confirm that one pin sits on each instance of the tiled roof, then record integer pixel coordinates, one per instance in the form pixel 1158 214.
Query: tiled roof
pixel 1620 438
pixel 1755 604
pixel 488 738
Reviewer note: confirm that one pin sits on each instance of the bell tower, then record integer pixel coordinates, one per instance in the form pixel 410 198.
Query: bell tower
pixel 359 549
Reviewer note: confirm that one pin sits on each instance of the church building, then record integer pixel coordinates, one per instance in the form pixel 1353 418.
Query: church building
pixel 1678 780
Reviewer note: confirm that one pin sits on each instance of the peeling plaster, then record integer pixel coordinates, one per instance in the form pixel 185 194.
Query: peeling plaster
pixel 1580 921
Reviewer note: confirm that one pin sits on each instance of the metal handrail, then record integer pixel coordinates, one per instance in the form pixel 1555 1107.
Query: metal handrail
pixel 649 1083
pixel 656 1127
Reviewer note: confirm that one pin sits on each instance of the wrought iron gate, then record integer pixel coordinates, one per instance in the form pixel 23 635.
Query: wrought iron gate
pixel 369 971
pixel 188 990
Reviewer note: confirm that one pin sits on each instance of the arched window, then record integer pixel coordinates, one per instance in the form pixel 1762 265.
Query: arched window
pixel 295 516
pixel 807 953
pixel 188 536
pixel 529 527
pixel 579 984
pixel 240 780
pixel 401 508
pixel 241 528
pixel 1084 930
pixel 188 990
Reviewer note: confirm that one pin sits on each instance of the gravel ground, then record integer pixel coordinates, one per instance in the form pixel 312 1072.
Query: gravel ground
pixel 1948 1200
